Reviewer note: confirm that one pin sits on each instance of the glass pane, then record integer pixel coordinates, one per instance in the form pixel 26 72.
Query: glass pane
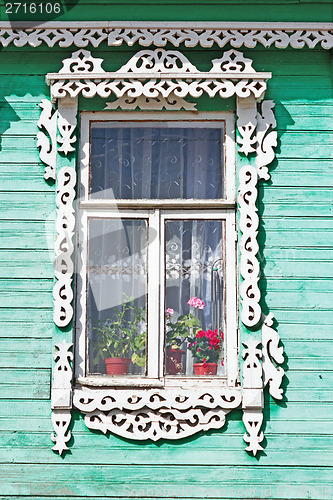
pixel 194 297
pixel 156 162
pixel 117 296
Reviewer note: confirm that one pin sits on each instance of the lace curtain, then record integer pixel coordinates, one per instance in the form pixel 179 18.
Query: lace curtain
pixel 156 163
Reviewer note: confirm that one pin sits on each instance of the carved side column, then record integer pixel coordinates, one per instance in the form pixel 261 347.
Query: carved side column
pixel 253 396
pixel 61 396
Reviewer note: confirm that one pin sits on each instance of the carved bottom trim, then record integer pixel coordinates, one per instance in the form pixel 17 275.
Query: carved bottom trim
pixel 61 420
pixel 148 424
pixel 253 420
pixel 155 414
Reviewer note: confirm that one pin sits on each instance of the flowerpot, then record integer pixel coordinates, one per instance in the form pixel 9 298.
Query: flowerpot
pixel 117 366
pixel 174 363
pixel 205 368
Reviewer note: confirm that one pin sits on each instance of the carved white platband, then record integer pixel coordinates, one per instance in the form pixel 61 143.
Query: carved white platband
pixel 155 413
pixel 272 356
pixel 248 224
pixel 61 420
pixel 62 290
pixel 253 400
pixel 169 103
pixel 46 138
pixel 156 78
pixel 152 73
pixel 191 34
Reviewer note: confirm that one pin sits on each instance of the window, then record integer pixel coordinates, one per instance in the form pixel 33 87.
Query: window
pixel 157 232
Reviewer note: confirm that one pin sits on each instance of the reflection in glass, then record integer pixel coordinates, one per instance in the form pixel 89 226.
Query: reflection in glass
pixel 117 290
pixel 193 296
pixel 156 163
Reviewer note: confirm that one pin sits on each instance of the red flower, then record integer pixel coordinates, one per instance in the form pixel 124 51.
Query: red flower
pixel 204 365
pixel 222 336
pixel 222 362
pixel 198 349
pixel 214 341
pixel 204 360
pixel 210 347
pixel 200 334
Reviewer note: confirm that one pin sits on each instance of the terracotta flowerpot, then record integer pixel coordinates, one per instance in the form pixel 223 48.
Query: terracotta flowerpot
pixel 174 363
pixel 117 366
pixel 205 368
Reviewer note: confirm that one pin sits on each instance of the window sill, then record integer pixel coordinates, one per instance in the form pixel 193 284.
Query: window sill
pixel 104 381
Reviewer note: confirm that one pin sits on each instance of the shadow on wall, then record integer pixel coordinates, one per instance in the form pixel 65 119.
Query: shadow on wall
pixel 7 114
pixel 284 122
pixel 38 14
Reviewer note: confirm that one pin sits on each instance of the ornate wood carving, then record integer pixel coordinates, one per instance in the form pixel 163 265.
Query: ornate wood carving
pixel 61 420
pixel 169 103
pixel 154 414
pixel 253 421
pixel 154 73
pixel 67 111
pixel 46 138
pixel 61 395
pixel 266 137
pixel 272 355
pixel 62 291
pixel 252 395
pixel 248 224
pixel 246 125
pixel 81 34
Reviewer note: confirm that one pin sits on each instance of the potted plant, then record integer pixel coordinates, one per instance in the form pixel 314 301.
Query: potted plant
pixel 177 333
pixel 120 339
pixel 205 348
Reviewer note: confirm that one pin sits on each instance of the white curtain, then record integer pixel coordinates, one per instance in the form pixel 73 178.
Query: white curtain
pixel 156 163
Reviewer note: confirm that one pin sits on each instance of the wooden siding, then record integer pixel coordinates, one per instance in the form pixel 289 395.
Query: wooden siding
pixel 296 283
pixel 189 10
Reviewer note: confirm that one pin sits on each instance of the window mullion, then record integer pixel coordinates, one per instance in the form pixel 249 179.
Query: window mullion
pixel 153 361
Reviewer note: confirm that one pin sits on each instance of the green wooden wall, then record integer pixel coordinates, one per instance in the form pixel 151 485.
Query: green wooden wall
pixel 296 283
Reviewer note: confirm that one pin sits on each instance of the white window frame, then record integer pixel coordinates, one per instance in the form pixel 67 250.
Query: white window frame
pixel 157 211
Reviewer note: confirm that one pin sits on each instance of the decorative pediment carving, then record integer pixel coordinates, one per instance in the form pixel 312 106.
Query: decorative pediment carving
pixel 151 73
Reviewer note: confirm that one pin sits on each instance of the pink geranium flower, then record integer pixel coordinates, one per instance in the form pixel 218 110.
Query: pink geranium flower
pixel 169 311
pixel 196 302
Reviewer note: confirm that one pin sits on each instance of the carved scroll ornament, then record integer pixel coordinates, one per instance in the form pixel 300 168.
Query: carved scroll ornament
pixel 155 414
pixel 62 291
pixel 205 35
pixel 46 138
